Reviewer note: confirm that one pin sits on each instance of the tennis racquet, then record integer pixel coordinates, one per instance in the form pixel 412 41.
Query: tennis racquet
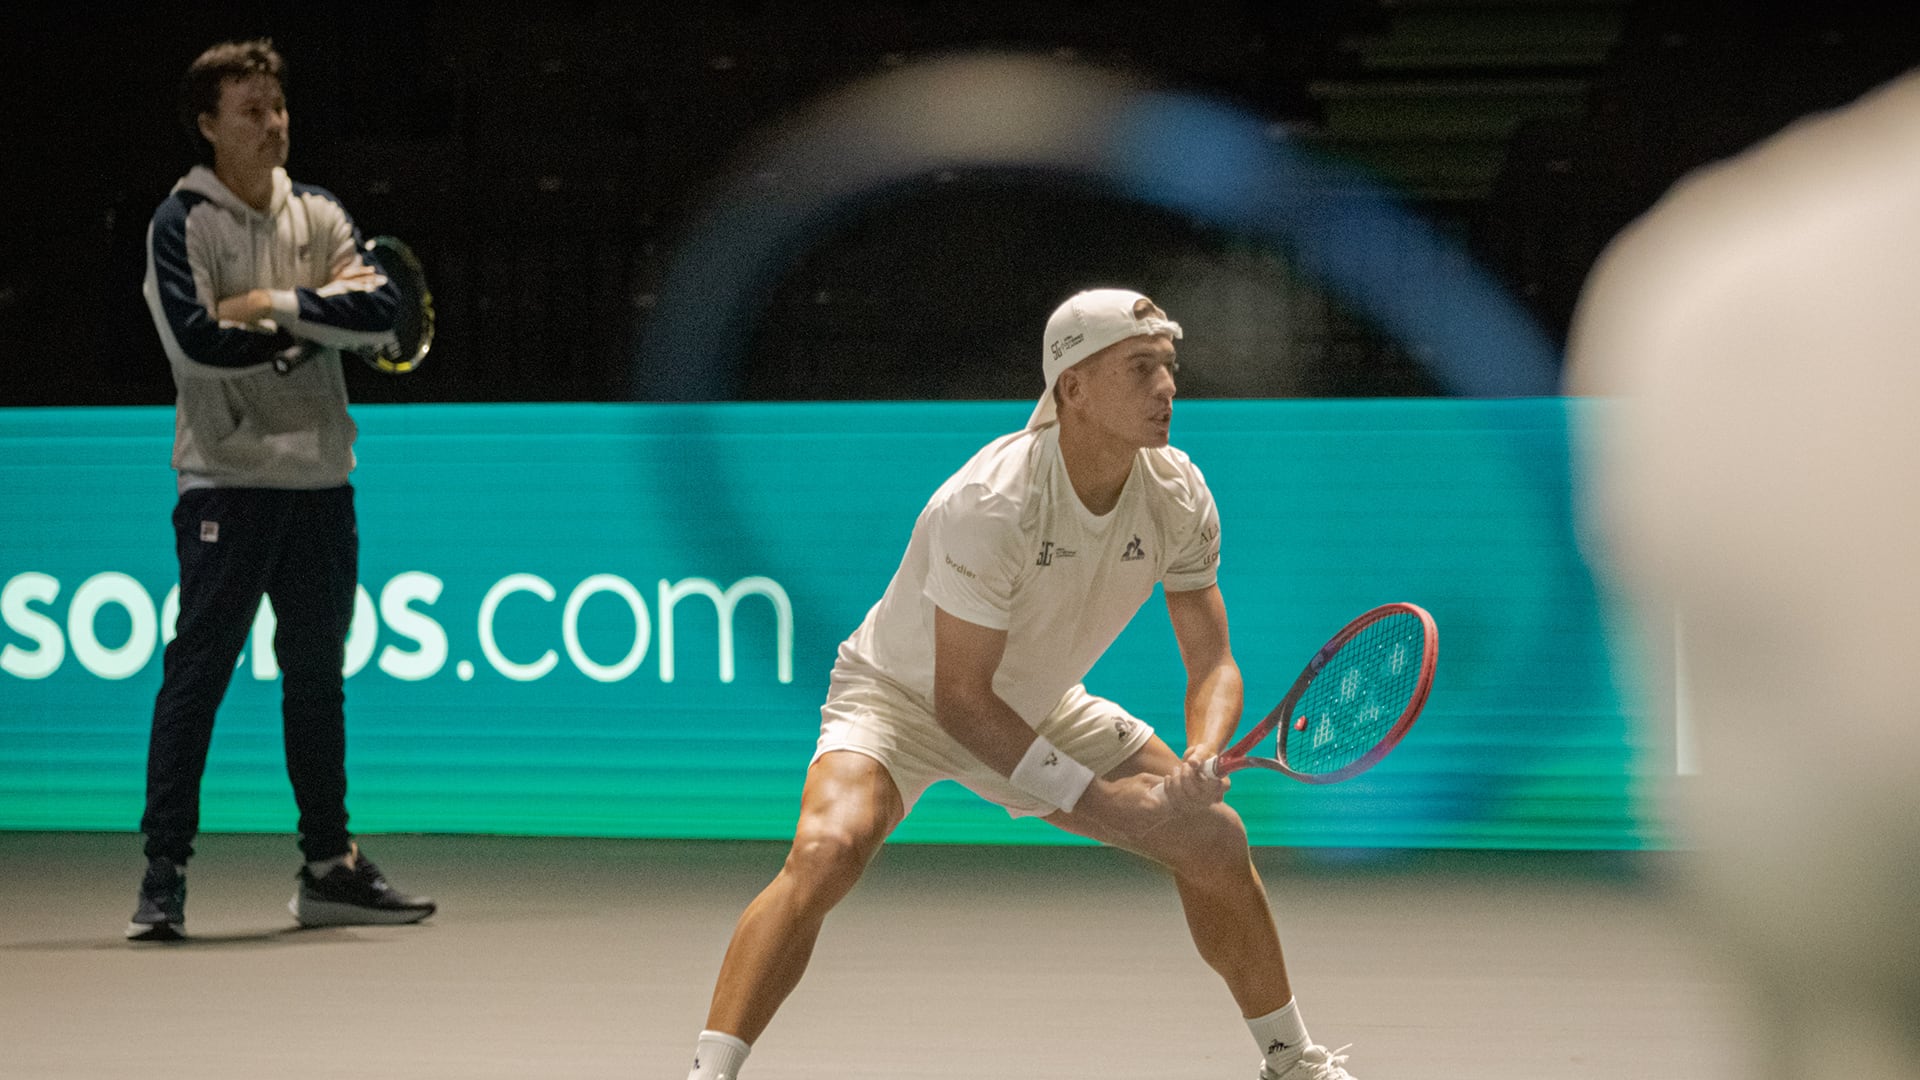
pixel 412 323
pixel 1354 702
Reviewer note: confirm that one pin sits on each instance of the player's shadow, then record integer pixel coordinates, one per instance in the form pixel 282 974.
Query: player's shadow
pixel 278 937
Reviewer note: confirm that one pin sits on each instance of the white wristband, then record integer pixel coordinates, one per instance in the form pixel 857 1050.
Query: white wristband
pixel 1047 773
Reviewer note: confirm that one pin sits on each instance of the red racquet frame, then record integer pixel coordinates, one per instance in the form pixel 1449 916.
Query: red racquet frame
pixel 1236 757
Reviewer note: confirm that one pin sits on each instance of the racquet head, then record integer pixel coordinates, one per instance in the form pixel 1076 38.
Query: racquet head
pixel 1354 701
pixel 413 323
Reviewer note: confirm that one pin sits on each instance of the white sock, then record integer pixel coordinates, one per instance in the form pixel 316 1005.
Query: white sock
pixel 717 1056
pixel 1281 1036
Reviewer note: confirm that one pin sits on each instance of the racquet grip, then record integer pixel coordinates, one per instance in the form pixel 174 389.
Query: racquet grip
pixel 1206 769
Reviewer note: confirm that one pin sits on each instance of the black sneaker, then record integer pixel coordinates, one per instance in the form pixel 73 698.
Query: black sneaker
pixel 162 914
pixel 357 896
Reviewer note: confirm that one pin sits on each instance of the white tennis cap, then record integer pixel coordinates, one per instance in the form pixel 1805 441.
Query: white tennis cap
pixel 1085 324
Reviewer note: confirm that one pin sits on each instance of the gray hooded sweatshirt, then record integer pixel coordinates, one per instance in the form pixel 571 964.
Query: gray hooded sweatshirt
pixel 237 421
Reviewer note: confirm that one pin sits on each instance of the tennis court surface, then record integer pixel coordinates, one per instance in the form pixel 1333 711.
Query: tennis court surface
pixel 594 959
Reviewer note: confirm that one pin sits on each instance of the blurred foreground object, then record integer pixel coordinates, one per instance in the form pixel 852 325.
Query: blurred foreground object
pixel 1082 126
pixel 1757 481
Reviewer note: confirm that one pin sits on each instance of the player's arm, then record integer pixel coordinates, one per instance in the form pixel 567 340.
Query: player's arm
pixel 1215 692
pixel 178 290
pixel 965 657
pixel 976 554
pixel 355 308
pixel 257 305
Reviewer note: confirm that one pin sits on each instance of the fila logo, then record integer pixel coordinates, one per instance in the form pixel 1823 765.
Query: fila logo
pixel 209 532
pixel 1134 551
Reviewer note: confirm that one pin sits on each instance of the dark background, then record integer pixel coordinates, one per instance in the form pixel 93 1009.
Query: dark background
pixel 546 159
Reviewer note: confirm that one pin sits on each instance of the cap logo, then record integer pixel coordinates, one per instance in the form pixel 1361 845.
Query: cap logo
pixel 1065 343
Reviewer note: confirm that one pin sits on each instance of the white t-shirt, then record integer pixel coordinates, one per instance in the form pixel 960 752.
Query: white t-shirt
pixel 1006 543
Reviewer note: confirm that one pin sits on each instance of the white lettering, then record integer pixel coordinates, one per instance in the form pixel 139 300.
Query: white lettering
pixel 266 664
pixel 642 627
pixel 362 633
pixel 170 615
pixel 403 620
pixel 513 583
pixel 402 609
pixel 50 649
pixel 724 604
pixel 95 593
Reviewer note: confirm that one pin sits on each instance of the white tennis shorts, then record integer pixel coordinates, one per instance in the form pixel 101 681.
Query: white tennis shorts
pixel 878 719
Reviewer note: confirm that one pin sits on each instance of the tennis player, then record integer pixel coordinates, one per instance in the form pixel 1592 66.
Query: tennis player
pixel 1022 569
pixel 243 266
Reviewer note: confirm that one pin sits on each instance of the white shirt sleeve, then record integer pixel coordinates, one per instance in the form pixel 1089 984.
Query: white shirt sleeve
pixel 1196 560
pixel 971 536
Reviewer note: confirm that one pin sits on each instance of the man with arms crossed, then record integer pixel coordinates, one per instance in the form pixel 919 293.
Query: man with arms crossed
pixel 245 266
pixel 1022 569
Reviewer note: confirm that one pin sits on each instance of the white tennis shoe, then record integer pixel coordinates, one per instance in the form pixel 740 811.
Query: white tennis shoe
pixel 1316 1063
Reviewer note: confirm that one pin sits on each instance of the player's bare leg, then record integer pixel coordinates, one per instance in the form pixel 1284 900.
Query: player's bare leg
pixel 847 809
pixel 1225 903
pixel 1227 914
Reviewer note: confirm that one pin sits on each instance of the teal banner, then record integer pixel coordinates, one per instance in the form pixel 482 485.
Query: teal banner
pixel 618 620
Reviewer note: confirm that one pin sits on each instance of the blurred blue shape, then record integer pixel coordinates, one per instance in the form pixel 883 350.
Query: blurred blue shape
pixel 1201 157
